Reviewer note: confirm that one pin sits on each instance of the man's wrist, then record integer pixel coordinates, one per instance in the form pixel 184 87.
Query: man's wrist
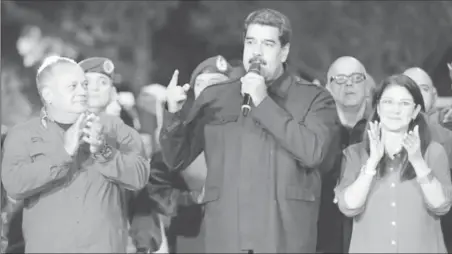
pixel 105 153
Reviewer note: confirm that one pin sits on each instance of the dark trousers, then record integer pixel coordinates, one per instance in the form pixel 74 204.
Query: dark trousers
pixel 330 222
pixel 446 225
pixel 186 232
pixel 347 228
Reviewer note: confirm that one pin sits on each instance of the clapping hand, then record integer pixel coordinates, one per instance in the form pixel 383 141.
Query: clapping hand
pixel 93 133
pixel 412 144
pixel 375 142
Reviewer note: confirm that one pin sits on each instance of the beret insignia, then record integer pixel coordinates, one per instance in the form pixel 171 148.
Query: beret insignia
pixel 108 67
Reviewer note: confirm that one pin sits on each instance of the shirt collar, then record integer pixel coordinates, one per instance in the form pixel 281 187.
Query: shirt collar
pixel 45 118
pixel 280 86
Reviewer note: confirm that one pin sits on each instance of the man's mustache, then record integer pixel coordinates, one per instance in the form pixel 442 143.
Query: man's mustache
pixel 260 59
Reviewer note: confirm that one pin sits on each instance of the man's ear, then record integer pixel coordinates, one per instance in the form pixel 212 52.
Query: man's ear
pixel 47 95
pixel 416 111
pixel 285 52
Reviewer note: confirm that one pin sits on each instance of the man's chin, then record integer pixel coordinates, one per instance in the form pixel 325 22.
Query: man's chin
pixel 80 109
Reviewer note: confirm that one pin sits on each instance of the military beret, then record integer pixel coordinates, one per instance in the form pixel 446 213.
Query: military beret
pixel 99 65
pixel 215 64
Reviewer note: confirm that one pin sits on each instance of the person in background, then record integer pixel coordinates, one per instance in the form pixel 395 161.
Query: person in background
pixel 181 192
pixel 347 83
pixel 263 170
pixel 69 167
pixel 103 98
pixel 443 113
pixel 396 182
pixel 439 133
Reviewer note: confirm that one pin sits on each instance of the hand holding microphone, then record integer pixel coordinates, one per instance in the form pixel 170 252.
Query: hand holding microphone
pixel 254 89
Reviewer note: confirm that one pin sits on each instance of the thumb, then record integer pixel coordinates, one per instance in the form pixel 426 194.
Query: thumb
pixel 80 120
pixel 174 79
pixel 416 131
pixel 186 87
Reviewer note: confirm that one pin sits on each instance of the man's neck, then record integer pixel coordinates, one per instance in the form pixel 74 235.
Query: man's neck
pixel 62 117
pixel 279 73
pixel 349 116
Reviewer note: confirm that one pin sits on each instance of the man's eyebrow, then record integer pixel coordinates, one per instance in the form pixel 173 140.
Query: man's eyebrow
pixel 270 40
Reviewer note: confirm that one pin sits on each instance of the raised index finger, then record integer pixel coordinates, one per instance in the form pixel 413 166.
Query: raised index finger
pixel 174 79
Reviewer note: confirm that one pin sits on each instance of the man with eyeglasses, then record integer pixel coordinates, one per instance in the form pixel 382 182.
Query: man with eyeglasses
pixel 347 83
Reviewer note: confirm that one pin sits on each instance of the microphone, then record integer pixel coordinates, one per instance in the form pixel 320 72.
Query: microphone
pixel 255 67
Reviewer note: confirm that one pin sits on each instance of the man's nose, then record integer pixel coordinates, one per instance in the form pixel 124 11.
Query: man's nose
pixel 349 82
pixel 257 51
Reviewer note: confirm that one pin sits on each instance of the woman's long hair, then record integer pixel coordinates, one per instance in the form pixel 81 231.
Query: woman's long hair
pixel 407 170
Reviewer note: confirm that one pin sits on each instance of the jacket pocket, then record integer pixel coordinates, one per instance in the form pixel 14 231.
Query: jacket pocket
pixel 300 193
pixel 37 150
pixel 223 119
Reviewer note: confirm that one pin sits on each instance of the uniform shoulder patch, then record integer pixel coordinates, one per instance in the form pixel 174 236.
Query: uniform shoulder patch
pixel 221 64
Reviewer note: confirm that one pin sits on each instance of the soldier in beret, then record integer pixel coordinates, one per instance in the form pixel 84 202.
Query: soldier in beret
pixel 178 193
pixel 99 72
pixel 103 98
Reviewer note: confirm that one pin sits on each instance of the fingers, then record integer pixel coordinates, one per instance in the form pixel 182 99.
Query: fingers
pixel 375 130
pixel 416 131
pixel 186 87
pixel 92 141
pixel 80 120
pixel 174 79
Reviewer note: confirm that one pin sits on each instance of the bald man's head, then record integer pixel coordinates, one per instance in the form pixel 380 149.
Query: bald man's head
pixel 425 83
pixel 345 64
pixel 346 81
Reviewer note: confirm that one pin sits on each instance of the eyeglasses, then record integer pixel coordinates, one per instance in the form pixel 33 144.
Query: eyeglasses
pixel 389 103
pixel 354 78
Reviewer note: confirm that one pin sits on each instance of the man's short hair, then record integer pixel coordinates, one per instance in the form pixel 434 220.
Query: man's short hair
pixel 269 17
pixel 47 67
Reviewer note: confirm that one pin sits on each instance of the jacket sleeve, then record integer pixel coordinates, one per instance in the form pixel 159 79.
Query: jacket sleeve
pixel 307 140
pixel 26 173
pixel 350 169
pixel 181 143
pixel 436 159
pixel 128 165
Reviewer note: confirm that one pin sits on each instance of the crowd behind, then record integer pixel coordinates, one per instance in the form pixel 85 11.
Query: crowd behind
pixel 353 165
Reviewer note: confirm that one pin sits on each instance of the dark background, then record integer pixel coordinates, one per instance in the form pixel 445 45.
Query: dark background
pixel 147 40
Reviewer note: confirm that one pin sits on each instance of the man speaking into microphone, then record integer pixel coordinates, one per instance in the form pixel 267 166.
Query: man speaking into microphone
pixel 263 179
